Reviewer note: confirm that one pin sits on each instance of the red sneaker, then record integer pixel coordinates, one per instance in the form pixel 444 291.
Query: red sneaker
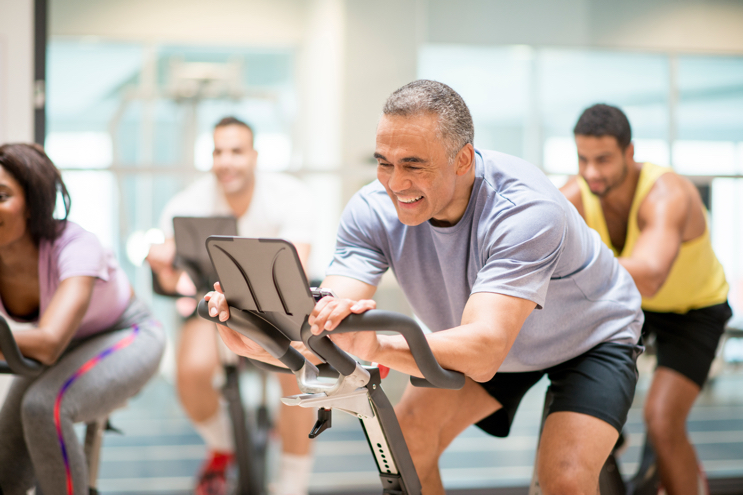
pixel 212 478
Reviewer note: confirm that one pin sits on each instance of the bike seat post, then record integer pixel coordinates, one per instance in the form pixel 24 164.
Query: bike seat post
pixel 92 447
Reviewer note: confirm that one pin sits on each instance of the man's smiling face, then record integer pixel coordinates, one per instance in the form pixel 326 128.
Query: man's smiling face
pixel 415 169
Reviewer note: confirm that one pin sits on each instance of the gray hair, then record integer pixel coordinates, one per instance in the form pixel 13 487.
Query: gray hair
pixel 423 96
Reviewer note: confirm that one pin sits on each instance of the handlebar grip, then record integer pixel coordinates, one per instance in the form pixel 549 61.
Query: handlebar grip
pixel 379 320
pixel 260 331
pixel 14 361
pixel 326 349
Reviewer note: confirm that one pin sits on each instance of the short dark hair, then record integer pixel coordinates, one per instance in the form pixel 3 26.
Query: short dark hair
pixel 604 120
pixel 41 181
pixel 424 96
pixel 230 120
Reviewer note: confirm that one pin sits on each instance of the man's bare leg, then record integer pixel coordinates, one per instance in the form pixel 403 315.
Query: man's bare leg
pixel 432 418
pixel 196 362
pixel 572 450
pixel 295 423
pixel 667 405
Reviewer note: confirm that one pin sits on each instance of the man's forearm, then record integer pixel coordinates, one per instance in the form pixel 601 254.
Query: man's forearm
pixel 647 280
pixel 469 349
pixel 168 279
pixel 265 357
pixel 235 343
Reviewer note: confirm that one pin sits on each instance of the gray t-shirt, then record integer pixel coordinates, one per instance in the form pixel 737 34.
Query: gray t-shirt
pixel 519 236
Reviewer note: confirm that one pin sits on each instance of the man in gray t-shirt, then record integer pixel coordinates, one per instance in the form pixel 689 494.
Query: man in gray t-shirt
pixel 504 271
pixel 518 236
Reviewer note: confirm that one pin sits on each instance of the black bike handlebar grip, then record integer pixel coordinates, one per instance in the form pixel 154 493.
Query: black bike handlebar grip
pixel 379 320
pixel 14 360
pixel 260 331
pixel 327 350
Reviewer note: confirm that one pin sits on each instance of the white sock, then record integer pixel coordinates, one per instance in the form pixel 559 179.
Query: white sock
pixel 217 430
pixel 294 475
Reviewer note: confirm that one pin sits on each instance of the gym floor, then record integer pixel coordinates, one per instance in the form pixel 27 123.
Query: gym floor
pixel 159 451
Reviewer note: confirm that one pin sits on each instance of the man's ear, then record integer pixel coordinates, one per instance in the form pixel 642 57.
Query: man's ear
pixel 629 153
pixel 465 159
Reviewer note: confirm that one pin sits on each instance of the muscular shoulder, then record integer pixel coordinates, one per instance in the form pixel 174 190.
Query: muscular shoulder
pixel 669 191
pixel 571 190
pixel 673 199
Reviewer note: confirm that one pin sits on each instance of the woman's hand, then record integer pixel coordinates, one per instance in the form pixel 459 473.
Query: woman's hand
pixel 329 312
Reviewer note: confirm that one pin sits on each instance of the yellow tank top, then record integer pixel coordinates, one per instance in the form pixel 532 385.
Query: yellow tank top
pixel 696 280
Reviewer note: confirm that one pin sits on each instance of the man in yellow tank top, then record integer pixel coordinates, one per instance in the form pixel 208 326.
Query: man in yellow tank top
pixel 655 222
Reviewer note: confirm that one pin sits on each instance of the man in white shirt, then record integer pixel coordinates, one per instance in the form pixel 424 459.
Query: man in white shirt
pixel 265 205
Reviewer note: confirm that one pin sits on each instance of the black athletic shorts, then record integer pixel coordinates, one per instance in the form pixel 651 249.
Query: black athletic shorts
pixel 687 342
pixel 600 383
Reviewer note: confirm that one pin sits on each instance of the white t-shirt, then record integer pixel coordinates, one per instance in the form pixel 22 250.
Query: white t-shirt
pixel 280 207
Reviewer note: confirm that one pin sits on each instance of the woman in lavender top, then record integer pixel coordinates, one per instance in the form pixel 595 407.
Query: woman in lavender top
pixel 99 344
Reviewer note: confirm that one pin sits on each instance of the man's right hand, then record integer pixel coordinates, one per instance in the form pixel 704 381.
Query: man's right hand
pixel 218 303
pixel 161 256
pixel 160 259
pixel 235 341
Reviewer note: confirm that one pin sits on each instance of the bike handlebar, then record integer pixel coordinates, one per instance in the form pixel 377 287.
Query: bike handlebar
pixel 278 345
pixel 379 321
pixel 259 330
pixel 14 362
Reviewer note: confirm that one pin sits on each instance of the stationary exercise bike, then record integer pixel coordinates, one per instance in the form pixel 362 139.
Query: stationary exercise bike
pixel 270 302
pixel 250 427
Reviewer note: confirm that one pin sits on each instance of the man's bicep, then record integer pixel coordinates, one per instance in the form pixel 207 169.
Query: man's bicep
pixel 349 288
pixel 656 248
pixel 500 309
pixel 498 317
pixel 660 238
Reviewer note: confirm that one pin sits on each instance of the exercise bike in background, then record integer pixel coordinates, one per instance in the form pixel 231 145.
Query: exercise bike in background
pixel 250 427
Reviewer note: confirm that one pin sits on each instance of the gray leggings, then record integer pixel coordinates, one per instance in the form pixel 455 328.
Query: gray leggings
pixel 93 377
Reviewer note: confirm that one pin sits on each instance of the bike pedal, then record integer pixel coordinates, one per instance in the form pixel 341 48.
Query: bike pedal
pixel 324 421
pixel 110 427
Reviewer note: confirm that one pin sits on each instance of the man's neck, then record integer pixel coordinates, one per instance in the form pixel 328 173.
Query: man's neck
pixel 461 201
pixel 239 202
pixel 620 198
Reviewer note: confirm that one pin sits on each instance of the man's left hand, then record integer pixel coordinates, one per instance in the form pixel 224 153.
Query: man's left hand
pixel 329 312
